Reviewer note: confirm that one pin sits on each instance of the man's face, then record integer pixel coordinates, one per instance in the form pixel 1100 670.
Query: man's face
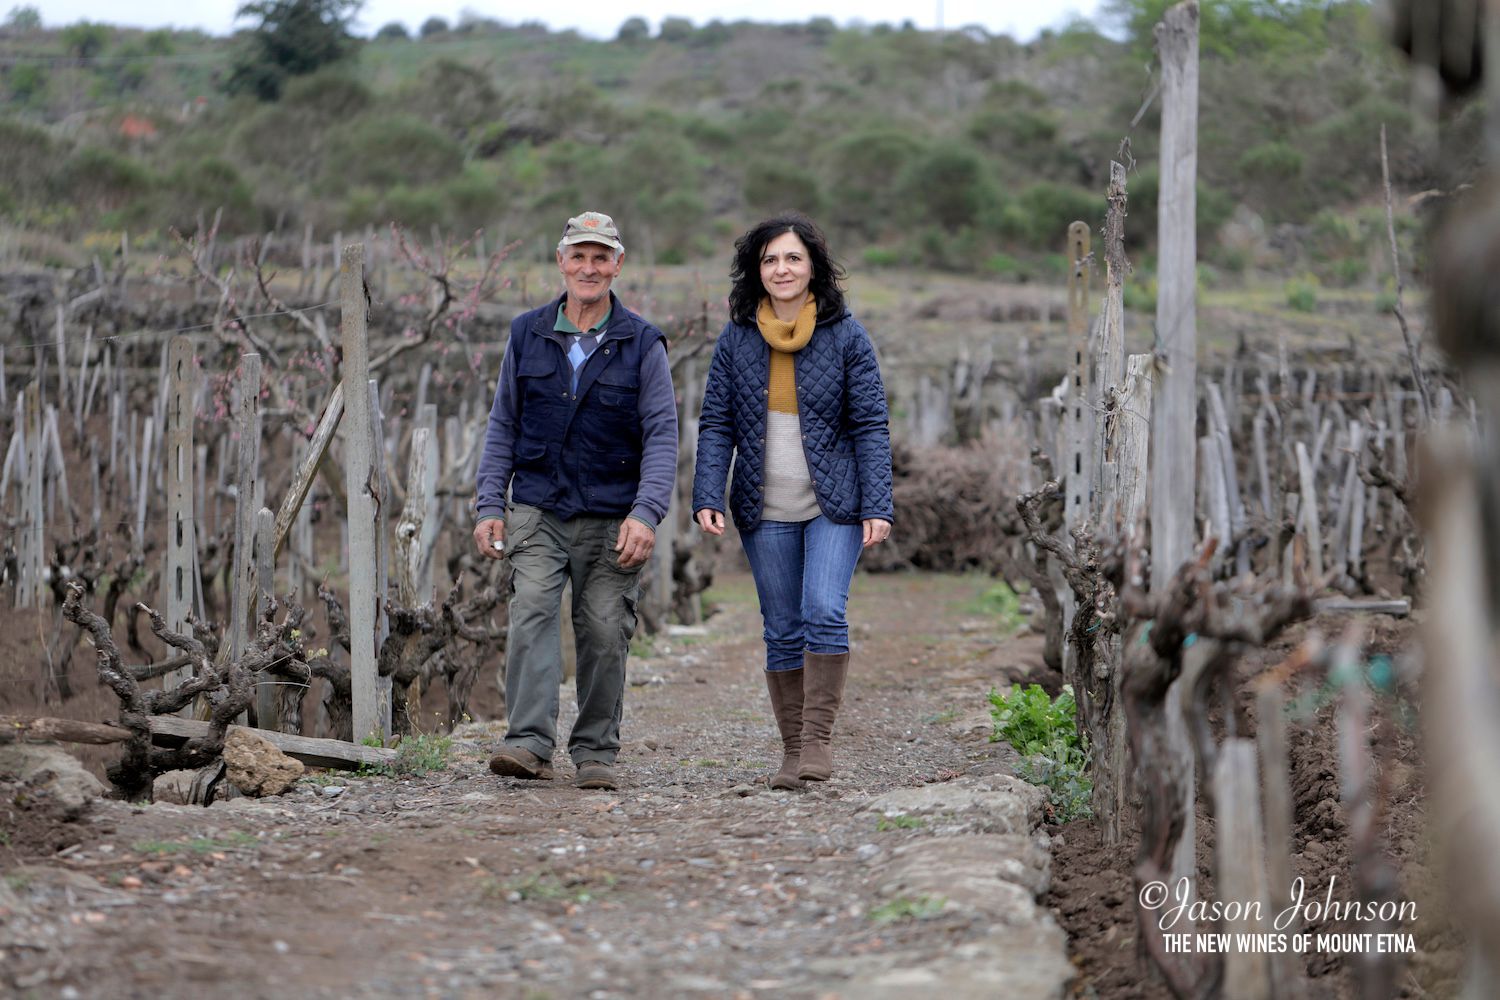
pixel 587 270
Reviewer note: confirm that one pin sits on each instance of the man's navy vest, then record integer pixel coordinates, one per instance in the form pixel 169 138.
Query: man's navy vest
pixel 579 453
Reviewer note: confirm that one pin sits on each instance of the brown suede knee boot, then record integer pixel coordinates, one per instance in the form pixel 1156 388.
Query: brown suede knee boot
pixel 823 690
pixel 786 702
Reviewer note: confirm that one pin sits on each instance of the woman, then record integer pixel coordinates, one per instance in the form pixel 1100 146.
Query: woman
pixel 794 398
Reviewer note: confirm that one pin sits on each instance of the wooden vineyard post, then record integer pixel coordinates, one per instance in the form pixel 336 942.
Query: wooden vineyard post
pixel 359 471
pixel 1277 816
pixel 1109 359
pixel 267 698
pixel 1241 871
pixel 181 526
pixel 296 494
pixel 1307 512
pixel 1079 462
pixel 1174 402
pixel 413 587
pixel 31 591
pixel 427 417
pixel 242 585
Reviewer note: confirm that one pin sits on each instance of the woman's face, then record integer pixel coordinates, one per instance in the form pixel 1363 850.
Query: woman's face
pixel 785 269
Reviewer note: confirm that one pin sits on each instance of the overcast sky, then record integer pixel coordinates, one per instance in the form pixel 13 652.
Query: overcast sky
pixel 597 18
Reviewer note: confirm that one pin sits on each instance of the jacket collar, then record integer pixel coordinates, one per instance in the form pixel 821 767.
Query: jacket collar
pixel 619 326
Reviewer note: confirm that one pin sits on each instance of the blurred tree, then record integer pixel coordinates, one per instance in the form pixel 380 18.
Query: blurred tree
pixel 634 29
pixel 949 186
pixel 454 96
pixel 24 18
pixel 26 159
pixel 294 37
pixel 773 184
pixel 433 26
pixel 675 29
pixel 27 83
pixel 1233 27
pixel 394 31
pixel 84 40
pixel 857 172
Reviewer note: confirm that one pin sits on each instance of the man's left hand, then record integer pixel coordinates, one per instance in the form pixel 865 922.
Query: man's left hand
pixel 876 531
pixel 635 543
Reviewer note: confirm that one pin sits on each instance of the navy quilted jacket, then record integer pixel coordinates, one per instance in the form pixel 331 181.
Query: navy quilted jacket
pixel 841 403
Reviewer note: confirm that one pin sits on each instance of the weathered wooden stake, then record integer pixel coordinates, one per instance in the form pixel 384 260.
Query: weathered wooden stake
pixel 242 583
pixel 267 698
pixel 177 581
pixel 359 471
pixel 32 590
pixel 1174 401
pixel 1241 871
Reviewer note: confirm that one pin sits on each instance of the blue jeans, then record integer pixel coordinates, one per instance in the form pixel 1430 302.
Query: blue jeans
pixel 802 573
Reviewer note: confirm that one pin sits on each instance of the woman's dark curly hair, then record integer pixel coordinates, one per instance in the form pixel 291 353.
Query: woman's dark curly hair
pixel 746 290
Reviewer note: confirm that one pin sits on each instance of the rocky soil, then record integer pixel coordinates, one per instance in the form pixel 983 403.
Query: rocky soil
pixel 919 866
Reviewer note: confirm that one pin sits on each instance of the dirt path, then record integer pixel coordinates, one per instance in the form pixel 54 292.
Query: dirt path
pixel 917 866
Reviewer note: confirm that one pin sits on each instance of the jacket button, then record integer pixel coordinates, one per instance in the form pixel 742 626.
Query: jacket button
pixel 606 350
pixel 765 392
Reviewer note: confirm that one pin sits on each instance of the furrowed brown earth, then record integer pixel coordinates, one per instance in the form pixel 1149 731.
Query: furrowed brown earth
pixel 1093 890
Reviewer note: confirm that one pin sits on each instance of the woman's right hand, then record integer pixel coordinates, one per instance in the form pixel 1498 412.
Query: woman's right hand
pixel 711 521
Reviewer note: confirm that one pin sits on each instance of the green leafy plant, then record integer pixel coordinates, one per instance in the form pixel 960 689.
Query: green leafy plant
pixel 234 840
pixel 907 908
pixel 1001 603
pixel 1044 732
pixel 1302 294
pixel 421 753
pixel 1029 719
pixel 899 822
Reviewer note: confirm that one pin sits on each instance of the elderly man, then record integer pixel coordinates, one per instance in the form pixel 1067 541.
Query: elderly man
pixel 583 431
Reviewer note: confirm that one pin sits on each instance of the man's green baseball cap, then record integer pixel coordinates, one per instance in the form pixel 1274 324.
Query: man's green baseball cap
pixel 592 227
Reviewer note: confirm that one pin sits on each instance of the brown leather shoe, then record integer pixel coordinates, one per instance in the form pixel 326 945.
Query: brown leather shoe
pixel 518 762
pixel 595 774
pixel 786 702
pixel 822 693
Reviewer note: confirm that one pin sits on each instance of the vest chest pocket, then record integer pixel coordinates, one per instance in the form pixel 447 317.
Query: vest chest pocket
pixel 617 389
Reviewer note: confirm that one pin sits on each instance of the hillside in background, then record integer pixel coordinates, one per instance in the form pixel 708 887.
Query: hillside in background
pixel 957 150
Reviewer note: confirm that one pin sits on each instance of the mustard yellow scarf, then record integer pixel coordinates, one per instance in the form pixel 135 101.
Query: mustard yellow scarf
pixel 785 340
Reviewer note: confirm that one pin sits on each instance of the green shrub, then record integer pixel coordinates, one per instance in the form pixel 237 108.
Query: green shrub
pixel 1003 264
pixel 949 186
pixel 1385 299
pixel 203 187
pixel 856 171
pixel 414 208
pixel 1140 296
pixel 1046 210
pixel 1000 603
pixel 330 94
pixel 26 157
pixel 773 184
pixel 1271 161
pixel 1302 294
pixel 27 83
pixel 383 151
pixel 1029 720
pixel 1044 731
pixel 101 180
pixel 882 257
